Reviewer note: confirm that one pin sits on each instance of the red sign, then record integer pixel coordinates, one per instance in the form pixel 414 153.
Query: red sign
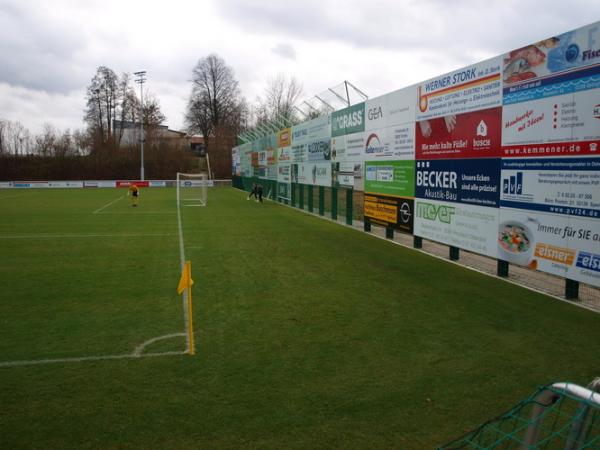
pixel 476 134
pixel 121 184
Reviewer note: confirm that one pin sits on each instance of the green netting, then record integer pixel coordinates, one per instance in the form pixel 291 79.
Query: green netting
pixel 552 418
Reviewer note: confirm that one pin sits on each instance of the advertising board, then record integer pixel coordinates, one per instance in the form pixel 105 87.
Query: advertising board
pixel 316 174
pixel 392 143
pixel 393 178
pixel 127 183
pixel 469 227
pixel 349 120
pixel 562 245
pixel 311 130
pixel 284 154
pixel 568 186
pixel 476 134
pixel 376 113
pixel 559 65
pixel 390 211
pixel 469 181
pixel 284 138
pixel 468 89
pixel 401 106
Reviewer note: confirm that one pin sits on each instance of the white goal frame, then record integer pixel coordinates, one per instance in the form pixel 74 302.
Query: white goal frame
pixel 192 189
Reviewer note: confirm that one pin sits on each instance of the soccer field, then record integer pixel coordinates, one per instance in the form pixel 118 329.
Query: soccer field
pixel 308 334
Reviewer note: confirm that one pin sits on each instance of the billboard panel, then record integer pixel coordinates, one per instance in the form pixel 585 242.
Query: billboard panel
pixel 470 181
pixel 563 125
pixel 559 65
pixel 476 134
pixel 284 138
pixel 348 120
pixel 316 174
pixel 474 87
pixel 401 106
pixel 390 211
pixel 562 245
pixel 392 143
pixel 568 186
pixel 468 227
pixel 393 178
pixel 376 112
pixel 284 173
pixel 284 154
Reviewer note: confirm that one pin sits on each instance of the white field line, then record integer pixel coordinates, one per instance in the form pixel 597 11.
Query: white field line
pixel 140 348
pixel 137 213
pixel 80 236
pixel 108 204
pixel 137 353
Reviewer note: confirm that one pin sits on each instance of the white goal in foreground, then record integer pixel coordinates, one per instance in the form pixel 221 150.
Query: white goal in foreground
pixel 192 189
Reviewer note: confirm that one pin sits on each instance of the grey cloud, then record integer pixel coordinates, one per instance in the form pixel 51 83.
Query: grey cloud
pixel 36 54
pixel 285 51
pixel 451 27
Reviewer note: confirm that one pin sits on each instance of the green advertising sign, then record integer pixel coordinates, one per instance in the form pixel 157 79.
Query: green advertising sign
pixel 348 120
pixel 396 178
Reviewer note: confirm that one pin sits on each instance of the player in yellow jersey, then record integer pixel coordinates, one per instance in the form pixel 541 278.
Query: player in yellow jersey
pixel 135 194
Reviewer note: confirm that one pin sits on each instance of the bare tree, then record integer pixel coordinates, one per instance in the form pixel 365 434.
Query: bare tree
pixel 102 101
pixel 278 104
pixel 14 138
pixel 3 137
pixel 215 99
pixel 128 106
pixel 113 107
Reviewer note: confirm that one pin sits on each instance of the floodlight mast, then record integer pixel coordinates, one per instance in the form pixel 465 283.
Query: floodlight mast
pixel 141 78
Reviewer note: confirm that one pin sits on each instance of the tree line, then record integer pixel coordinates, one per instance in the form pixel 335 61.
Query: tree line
pixel 216 109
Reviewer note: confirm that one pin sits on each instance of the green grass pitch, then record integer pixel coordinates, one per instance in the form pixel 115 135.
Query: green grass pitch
pixel 309 334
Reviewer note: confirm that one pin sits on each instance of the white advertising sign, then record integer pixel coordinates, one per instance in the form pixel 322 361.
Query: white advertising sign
pixel 468 227
pixel 299 153
pixel 561 245
pixel 284 154
pixel 569 117
pixel 376 113
pixel 284 173
pixel 312 130
pixel 471 88
pixel 348 148
pixel 317 174
pixel 401 106
pixel 392 143
pixel 569 186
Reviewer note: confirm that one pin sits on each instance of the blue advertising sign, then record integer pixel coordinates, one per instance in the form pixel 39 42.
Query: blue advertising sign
pixel 469 181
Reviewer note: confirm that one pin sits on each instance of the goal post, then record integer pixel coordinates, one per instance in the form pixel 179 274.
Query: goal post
pixel 192 189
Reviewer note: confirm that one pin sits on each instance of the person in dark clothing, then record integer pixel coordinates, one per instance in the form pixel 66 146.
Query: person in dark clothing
pixel 259 191
pixel 252 192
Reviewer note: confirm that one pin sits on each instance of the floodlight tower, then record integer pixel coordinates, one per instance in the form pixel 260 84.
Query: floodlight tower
pixel 141 78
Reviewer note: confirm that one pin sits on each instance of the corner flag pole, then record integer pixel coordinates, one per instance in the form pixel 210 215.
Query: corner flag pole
pixel 185 284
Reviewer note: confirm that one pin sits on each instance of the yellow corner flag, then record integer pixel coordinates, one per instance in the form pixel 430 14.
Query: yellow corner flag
pixel 185 282
pixel 186 278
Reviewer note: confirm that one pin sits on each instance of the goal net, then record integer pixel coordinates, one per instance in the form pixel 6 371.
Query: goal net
pixel 192 189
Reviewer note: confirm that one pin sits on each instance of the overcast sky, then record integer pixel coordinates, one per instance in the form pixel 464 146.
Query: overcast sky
pixel 49 50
